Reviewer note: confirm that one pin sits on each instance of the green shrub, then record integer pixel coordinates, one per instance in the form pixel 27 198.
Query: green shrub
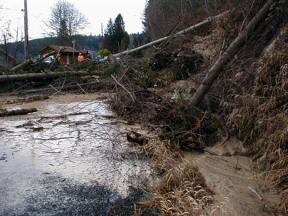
pixel 103 52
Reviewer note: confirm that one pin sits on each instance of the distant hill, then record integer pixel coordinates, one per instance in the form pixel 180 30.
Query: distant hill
pixel 82 42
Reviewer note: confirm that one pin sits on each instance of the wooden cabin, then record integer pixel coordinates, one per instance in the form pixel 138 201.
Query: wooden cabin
pixel 67 55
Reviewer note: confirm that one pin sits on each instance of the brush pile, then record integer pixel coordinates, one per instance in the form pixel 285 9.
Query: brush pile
pixel 251 94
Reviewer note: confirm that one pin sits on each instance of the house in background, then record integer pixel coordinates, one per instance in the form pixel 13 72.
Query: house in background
pixel 66 53
pixel 5 58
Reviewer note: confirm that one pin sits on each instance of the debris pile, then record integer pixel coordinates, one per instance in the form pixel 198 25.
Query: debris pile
pixel 248 100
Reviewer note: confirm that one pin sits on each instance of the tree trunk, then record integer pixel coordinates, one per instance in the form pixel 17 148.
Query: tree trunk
pixel 26 62
pixel 5 112
pixel 39 61
pixel 36 76
pixel 166 38
pixel 215 70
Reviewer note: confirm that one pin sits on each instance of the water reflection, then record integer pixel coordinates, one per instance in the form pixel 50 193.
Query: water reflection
pixel 79 141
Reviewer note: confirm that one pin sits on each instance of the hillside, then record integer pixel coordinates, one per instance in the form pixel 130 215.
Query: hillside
pixel 248 101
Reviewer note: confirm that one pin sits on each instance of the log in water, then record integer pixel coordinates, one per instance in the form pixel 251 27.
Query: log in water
pixel 5 112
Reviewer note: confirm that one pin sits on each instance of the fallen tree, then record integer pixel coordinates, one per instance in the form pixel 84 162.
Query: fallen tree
pixel 127 52
pixel 36 76
pixel 5 112
pixel 215 70
pixel 26 62
pixel 30 61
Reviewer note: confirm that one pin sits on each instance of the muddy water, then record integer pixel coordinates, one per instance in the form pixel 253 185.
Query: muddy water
pixel 231 178
pixel 70 158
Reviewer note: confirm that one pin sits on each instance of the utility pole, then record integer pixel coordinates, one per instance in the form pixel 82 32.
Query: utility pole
pixel 102 40
pixel 26 45
pixel 73 51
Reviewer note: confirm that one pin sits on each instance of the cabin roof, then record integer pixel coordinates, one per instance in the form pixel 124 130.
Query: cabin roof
pixel 65 49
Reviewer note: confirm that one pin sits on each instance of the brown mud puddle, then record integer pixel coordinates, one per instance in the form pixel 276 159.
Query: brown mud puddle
pixel 231 178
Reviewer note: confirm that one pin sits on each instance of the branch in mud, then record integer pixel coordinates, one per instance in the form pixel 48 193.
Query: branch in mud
pixel 137 138
pixel 5 112
pixel 27 99
pixel 133 99
pixel 73 122
pixel 52 138
pixel 61 116
pixel 268 208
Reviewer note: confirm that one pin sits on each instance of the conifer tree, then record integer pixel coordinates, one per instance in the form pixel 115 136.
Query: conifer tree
pixel 116 38
pixel 108 36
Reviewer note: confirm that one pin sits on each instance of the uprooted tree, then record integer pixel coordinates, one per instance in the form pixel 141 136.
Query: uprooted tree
pixel 215 70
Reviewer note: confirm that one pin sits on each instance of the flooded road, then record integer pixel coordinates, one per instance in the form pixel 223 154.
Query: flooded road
pixel 70 158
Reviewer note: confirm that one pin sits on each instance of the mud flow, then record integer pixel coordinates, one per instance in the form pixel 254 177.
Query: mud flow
pixel 70 158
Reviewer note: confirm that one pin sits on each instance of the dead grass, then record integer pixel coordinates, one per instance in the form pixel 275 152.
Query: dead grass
pixel 262 117
pixel 180 189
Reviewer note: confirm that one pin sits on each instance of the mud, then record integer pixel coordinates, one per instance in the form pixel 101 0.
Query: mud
pixel 70 158
pixel 230 178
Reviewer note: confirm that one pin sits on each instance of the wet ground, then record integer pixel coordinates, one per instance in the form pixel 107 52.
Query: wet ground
pixel 70 158
pixel 235 181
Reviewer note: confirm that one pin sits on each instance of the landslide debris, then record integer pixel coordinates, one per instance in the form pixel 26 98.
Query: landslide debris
pixel 248 100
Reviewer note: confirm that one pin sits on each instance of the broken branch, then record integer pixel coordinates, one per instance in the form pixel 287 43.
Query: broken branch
pixel 124 88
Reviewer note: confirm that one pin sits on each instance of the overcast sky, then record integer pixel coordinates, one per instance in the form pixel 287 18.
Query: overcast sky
pixel 96 11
